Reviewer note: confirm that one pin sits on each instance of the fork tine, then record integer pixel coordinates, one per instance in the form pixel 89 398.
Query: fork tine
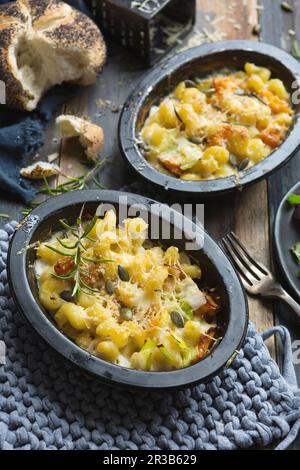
pixel 258 265
pixel 245 261
pixel 237 263
pixel 246 285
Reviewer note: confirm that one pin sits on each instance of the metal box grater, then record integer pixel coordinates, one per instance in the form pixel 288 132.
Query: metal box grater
pixel 149 27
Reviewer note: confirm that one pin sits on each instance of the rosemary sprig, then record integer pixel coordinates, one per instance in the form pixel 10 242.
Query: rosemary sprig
pixel 59 252
pixel 241 92
pixel 75 183
pixel 26 211
pixel 76 251
pixel 81 182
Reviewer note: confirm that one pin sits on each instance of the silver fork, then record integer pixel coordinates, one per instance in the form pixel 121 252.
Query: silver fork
pixel 256 278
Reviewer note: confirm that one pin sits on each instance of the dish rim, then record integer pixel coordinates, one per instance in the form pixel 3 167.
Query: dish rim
pixel 131 108
pixel 106 371
pixel 280 252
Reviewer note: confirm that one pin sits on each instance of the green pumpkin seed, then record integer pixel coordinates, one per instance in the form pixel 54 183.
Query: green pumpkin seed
pixel 287 7
pixel 234 123
pixel 233 160
pixel 66 295
pixel 256 29
pixel 145 148
pixel 126 314
pixel 243 165
pixel 190 83
pixel 196 140
pixel 295 51
pixel 177 319
pixel 123 274
pixel 109 287
pixel 208 91
pixel 240 92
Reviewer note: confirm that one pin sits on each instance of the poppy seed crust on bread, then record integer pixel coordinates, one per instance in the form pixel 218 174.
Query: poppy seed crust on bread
pixel 45 43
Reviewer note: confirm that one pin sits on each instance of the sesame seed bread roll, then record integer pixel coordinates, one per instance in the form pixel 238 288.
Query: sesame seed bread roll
pixel 45 43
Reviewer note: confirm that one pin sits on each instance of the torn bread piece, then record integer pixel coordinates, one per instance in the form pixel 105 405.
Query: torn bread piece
pixel 91 136
pixel 39 171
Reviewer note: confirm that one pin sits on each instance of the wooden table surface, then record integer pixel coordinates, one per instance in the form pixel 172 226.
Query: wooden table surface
pixel 249 213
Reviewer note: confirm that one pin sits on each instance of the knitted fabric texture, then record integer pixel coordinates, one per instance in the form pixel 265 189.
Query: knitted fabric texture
pixel 45 403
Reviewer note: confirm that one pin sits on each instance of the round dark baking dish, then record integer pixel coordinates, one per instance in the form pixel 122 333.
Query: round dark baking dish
pixel 217 269
pixel 201 61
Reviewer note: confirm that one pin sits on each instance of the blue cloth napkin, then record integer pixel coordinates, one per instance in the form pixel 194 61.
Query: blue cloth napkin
pixel 22 133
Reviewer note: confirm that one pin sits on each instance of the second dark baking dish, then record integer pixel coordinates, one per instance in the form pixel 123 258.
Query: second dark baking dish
pixel 202 61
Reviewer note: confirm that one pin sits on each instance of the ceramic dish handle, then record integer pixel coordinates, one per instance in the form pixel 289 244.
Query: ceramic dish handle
pixel 290 301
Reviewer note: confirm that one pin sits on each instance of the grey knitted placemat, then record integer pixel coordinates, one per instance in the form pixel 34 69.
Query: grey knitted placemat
pixel 46 404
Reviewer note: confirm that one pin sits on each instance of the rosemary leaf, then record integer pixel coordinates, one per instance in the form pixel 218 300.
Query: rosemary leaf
pixel 86 292
pixel 77 256
pixel 178 115
pixel 65 225
pixel 90 226
pixel 58 251
pixel 64 245
pixel 82 245
pixel 90 239
pixel 83 270
pixel 98 184
pixel 88 287
pixel 73 183
pixel 64 277
pixel 254 95
pixel 76 290
pixel 294 199
pixel 81 263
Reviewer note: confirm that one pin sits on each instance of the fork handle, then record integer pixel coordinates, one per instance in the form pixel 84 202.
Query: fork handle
pixel 283 295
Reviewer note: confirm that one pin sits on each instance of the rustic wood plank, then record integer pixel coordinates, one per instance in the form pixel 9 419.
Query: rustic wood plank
pixel 235 20
pixel 244 212
pixel 275 29
pixel 101 104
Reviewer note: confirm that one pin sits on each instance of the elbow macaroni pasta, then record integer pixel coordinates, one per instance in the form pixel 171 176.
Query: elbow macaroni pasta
pixel 206 128
pixel 146 310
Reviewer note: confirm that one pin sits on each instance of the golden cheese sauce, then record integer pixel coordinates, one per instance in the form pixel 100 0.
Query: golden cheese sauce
pixel 123 299
pixel 219 126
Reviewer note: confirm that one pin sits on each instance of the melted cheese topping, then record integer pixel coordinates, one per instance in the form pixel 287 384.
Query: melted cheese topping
pixel 140 306
pixel 219 126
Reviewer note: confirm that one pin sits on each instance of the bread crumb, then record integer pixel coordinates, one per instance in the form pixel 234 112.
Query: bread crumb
pixel 39 171
pixel 91 136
